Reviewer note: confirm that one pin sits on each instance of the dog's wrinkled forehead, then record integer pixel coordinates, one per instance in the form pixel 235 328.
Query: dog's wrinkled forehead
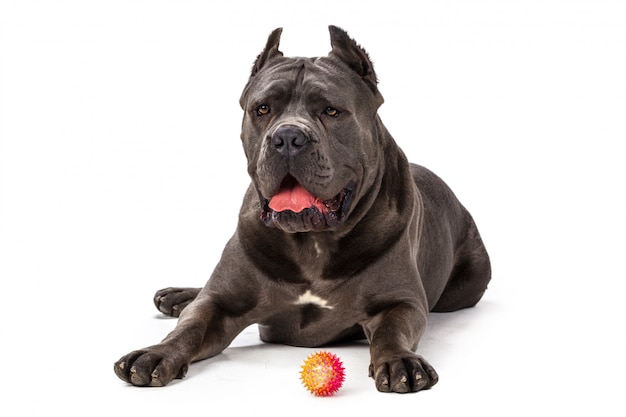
pixel 317 78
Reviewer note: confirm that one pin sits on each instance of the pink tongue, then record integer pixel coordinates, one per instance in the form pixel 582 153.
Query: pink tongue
pixel 295 199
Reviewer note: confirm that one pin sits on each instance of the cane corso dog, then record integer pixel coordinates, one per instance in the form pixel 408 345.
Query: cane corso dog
pixel 339 237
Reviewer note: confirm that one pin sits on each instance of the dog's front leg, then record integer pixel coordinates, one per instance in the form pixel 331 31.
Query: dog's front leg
pixel 201 332
pixel 394 334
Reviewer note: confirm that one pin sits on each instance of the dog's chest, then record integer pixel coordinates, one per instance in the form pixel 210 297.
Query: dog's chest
pixel 319 293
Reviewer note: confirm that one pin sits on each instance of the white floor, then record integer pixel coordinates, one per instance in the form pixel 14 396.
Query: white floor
pixel 121 172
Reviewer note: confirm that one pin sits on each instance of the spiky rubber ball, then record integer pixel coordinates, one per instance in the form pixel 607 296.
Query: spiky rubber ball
pixel 322 374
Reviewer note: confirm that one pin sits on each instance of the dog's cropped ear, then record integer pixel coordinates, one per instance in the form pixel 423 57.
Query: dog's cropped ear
pixel 353 55
pixel 271 51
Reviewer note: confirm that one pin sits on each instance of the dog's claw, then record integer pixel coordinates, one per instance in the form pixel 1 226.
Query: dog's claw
pixel 420 382
pixel 154 381
pixel 401 386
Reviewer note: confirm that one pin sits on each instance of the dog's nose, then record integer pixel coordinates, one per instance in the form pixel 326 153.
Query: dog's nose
pixel 289 140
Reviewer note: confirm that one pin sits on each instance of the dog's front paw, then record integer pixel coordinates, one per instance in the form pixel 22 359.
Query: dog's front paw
pixel 149 367
pixel 408 373
pixel 171 301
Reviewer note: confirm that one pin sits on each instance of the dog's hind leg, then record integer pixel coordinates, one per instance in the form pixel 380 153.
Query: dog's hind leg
pixel 469 277
pixel 171 301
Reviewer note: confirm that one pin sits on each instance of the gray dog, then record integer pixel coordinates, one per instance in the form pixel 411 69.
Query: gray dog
pixel 339 237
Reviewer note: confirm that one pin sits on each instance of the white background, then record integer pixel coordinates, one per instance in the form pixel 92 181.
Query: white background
pixel 121 172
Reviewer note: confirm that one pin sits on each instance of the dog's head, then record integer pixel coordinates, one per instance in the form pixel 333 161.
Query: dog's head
pixel 309 133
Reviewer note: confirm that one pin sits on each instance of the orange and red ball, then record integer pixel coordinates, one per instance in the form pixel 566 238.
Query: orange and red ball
pixel 322 374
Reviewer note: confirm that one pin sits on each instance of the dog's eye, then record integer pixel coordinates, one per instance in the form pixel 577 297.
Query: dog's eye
pixel 262 110
pixel 331 111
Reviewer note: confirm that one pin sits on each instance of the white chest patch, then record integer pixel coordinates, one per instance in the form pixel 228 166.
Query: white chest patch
pixel 318 250
pixel 310 298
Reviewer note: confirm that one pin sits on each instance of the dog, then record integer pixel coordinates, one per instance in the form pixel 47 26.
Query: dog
pixel 339 237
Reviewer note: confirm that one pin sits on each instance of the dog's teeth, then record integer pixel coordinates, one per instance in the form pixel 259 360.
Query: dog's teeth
pixel 333 205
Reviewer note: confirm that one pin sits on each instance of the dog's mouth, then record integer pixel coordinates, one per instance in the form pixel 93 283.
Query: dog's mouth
pixel 294 209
